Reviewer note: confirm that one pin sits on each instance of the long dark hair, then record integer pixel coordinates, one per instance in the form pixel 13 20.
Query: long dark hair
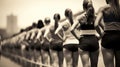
pixel 90 14
pixel 56 18
pixel 69 15
pixel 40 24
pixel 85 4
pixel 115 8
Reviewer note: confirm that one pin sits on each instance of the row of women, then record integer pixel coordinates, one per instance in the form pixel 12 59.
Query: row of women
pixel 51 42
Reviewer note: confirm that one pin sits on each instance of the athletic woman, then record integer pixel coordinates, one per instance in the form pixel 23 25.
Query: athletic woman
pixel 45 54
pixel 88 41
pixel 56 41
pixel 111 40
pixel 70 44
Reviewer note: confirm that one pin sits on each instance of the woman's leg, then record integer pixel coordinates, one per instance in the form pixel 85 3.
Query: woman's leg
pixel 117 58
pixel 84 57
pixel 68 57
pixel 38 57
pixel 61 57
pixel 108 57
pixel 54 58
pixel 75 58
pixel 0 51
pixel 45 57
pixel 94 58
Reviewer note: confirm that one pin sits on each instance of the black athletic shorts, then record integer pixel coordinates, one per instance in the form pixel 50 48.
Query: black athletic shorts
pixel 27 48
pixel 0 53
pixel 71 47
pixel 45 47
pixel 89 43
pixel 31 45
pixel 111 40
pixel 37 46
pixel 57 47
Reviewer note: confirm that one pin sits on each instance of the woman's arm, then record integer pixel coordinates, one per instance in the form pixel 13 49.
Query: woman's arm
pixel 100 15
pixel 32 34
pixel 61 35
pixel 73 32
pixel 99 24
pixel 39 34
pixel 74 26
pixel 98 19
pixel 100 32
pixel 103 8
pixel 47 31
pixel 76 22
pixel 58 29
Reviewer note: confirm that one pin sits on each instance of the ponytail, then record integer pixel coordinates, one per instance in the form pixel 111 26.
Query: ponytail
pixel 40 24
pixel 90 14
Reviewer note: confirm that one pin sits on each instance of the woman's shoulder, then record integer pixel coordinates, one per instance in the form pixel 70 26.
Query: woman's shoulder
pixel 103 8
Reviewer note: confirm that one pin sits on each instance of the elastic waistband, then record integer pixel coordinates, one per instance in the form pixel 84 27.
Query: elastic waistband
pixel 88 35
pixel 112 31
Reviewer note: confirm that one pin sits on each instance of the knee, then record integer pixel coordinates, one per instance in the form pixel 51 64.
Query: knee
pixel 45 56
pixel 108 57
pixel 54 54
pixel 86 65
pixel 68 57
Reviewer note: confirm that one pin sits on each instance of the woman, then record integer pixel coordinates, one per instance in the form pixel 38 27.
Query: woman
pixel 111 39
pixel 45 54
pixel 88 41
pixel 0 47
pixel 29 48
pixel 56 41
pixel 70 44
pixel 36 42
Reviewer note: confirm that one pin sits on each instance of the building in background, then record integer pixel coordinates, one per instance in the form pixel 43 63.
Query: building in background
pixel 12 26
pixel 3 33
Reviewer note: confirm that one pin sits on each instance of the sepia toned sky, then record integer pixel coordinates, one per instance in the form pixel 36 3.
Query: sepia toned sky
pixel 29 11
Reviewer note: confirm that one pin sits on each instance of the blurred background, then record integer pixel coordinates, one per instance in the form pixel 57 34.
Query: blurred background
pixel 17 14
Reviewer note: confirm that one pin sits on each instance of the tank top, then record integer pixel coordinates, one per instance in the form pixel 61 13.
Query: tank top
pixel 69 37
pixel 86 28
pixel 44 40
pixel 55 38
pixel 111 21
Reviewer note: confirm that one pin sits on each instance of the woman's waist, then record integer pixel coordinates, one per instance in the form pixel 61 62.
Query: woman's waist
pixel 56 41
pixel 71 41
pixel 112 26
pixel 45 42
pixel 88 32
pixel 112 31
